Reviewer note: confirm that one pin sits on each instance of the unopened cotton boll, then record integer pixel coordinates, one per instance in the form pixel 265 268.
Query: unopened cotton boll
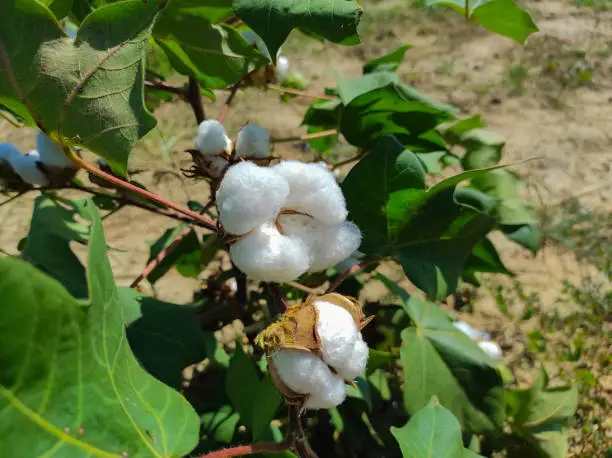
pixel 248 196
pixel 51 153
pixel 337 332
pixel 282 68
pixel 493 350
pixel 314 191
pixel 26 168
pixel 305 373
pixel 267 255
pixel 9 152
pixel 253 141
pixel 212 138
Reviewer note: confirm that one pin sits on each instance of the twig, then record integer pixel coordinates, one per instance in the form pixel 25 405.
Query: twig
pixel 242 450
pixel 301 287
pixel 346 274
pixel 230 98
pixel 162 86
pixel 15 197
pixel 204 221
pixel 325 133
pixel 287 90
pixel 349 160
pixel 194 98
pixel 277 298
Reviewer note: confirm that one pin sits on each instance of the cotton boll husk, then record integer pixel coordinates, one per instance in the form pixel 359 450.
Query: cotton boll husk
pixel 355 364
pixel 472 333
pixel 267 255
pixel 9 152
pixel 249 196
pixel 253 141
pixel 493 350
pixel 282 67
pixel 314 191
pixel 305 373
pixel 25 167
pixel 337 332
pixel 51 153
pixel 211 138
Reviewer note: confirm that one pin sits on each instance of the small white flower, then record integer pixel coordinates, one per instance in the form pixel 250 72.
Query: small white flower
pixel 253 142
pixel 9 152
pixel 212 138
pixel 51 153
pixel 493 350
pixel 282 68
pixel 25 166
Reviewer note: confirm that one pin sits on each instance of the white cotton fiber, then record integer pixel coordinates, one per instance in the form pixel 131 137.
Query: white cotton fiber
pixel 337 332
pixel 282 68
pixel 51 153
pixel 253 142
pixel 355 365
pixel 304 373
pixel 26 168
pixel 314 191
pixel 493 350
pixel 248 196
pixel 9 152
pixel 334 244
pixel 472 333
pixel 211 138
pixel 267 255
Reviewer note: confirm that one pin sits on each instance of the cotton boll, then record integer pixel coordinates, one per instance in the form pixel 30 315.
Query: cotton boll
pixel 25 167
pixel 253 141
pixel 211 138
pixel 267 255
pixel 304 373
pixel 493 350
pixel 249 196
pixel 337 332
pixel 51 153
pixel 355 364
pixel 472 333
pixel 314 191
pixel 335 243
pixel 282 67
pixel 9 152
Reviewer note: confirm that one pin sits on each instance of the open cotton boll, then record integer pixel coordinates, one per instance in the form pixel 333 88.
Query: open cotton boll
pixel 472 333
pixel 212 138
pixel 337 332
pixel 9 152
pixel 25 167
pixel 305 373
pixel 248 196
pixel 493 350
pixel 282 68
pixel 267 255
pixel 335 244
pixel 51 153
pixel 253 141
pixel 314 191
pixel 355 364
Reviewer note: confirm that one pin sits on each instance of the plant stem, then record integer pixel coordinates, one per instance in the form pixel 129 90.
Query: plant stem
pixel 15 197
pixel 346 274
pixel 325 133
pixel 194 98
pixel 230 98
pixel 301 287
pixel 242 450
pixel 349 160
pixel 204 221
pixel 162 86
pixel 287 90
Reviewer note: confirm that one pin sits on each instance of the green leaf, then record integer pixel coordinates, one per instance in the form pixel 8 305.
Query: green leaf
pixel 87 91
pixel 273 20
pixel 499 16
pixel 484 258
pixel 431 232
pixel 527 235
pixel 255 400
pixel 216 55
pixel 453 132
pixel 390 62
pixel 220 425
pixel 60 8
pixel 67 369
pixel 165 337
pixel 52 229
pixel 539 415
pixel 432 432
pixel 451 367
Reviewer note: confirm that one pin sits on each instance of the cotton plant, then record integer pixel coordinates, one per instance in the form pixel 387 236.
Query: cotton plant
pixel 482 339
pixel 316 349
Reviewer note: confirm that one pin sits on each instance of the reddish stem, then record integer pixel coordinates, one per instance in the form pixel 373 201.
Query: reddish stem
pixel 346 274
pixel 248 450
pixel 230 98
pixel 204 221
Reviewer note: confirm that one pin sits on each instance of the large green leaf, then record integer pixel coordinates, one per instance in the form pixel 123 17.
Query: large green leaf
pixel 165 337
pixel 390 62
pixel 69 384
pixel 87 91
pixel 484 258
pixel 431 232
pixel 52 229
pixel 451 367
pixel 498 16
pixel 539 415
pixel 273 20
pixel 216 55
pixel 432 432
